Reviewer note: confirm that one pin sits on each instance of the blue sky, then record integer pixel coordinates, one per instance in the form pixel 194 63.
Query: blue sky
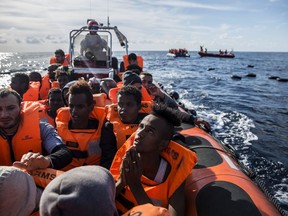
pixel 241 25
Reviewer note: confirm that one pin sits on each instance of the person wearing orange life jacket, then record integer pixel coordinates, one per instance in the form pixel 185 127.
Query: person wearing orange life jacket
pixel 161 97
pixel 158 95
pixel 25 141
pixel 47 81
pixel 21 190
pixel 126 115
pixel 32 94
pixel 62 78
pixel 50 107
pixel 60 58
pixel 82 127
pixel 150 168
pixel 131 78
pixel 29 91
pixel 89 191
pixel 20 83
pixel 132 62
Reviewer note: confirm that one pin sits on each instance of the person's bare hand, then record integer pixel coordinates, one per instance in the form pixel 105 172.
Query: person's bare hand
pixel 132 167
pixel 32 161
pixel 202 124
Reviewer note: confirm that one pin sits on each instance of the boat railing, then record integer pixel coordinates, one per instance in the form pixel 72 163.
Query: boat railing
pixel 103 30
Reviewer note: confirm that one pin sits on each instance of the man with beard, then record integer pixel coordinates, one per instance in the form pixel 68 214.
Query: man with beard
pixel 25 141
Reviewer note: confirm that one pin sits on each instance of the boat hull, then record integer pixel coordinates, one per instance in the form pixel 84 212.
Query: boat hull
pixel 174 55
pixel 203 54
pixel 217 184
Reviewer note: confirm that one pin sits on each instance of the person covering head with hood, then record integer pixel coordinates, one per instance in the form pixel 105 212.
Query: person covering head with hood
pixel 18 192
pixel 86 190
pixel 131 78
pixel 65 90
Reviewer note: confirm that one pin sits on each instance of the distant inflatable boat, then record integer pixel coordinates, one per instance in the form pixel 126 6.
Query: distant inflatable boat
pixel 178 53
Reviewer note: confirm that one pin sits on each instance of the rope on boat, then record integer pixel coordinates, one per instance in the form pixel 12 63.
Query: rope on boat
pixel 250 173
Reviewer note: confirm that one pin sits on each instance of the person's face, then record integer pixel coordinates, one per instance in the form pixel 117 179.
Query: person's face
pixel 59 58
pixel 94 30
pixel 55 101
pixel 146 81
pixel 128 108
pixel 62 80
pixel 150 135
pixel 9 112
pixel 51 74
pixel 79 109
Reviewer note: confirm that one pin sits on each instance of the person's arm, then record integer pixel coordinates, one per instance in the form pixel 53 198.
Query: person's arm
pixel 58 155
pixel 83 46
pixel 177 201
pixel 193 119
pixel 164 98
pixel 132 170
pixel 105 46
pixel 57 152
pixel 108 145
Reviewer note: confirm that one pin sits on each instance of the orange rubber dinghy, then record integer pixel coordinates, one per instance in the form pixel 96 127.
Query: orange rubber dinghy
pixel 217 184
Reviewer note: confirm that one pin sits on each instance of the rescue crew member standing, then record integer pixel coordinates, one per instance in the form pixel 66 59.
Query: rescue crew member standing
pixel 92 45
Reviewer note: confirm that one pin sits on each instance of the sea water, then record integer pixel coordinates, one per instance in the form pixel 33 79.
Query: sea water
pixel 250 114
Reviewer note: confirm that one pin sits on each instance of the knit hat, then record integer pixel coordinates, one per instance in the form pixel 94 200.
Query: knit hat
pixel 86 190
pixel 129 78
pixel 18 192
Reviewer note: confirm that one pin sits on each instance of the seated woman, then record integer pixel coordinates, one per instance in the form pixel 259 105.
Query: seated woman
pixel 154 168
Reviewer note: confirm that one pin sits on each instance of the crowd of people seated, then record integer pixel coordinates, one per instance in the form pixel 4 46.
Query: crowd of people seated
pixel 101 142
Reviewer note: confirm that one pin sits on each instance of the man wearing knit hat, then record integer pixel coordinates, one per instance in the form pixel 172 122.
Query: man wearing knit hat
pixel 68 193
pixel 18 192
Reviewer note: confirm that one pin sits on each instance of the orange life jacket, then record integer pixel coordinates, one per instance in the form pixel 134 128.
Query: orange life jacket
pixel 100 99
pixel 43 177
pixel 66 60
pixel 113 94
pixel 123 131
pixel 147 210
pixel 78 141
pixel 46 85
pixel 139 61
pixel 27 138
pixel 181 161
pixel 32 94
pixel 55 84
pixel 43 113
